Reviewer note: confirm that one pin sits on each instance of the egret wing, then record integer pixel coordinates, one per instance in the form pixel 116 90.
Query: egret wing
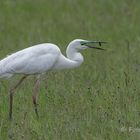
pixel 37 59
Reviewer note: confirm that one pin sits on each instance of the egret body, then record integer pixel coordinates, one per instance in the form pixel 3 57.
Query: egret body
pixel 39 59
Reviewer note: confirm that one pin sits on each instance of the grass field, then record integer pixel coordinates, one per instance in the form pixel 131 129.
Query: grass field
pixel 92 102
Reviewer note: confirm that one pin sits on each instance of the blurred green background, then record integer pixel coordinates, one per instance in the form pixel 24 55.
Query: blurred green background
pixel 96 101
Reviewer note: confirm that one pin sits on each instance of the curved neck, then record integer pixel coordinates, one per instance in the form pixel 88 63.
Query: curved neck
pixel 73 59
pixel 74 55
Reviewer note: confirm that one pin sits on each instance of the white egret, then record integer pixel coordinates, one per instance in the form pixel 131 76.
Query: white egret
pixel 39 59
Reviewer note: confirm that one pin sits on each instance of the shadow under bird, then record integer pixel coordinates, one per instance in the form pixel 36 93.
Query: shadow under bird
pixel 39 59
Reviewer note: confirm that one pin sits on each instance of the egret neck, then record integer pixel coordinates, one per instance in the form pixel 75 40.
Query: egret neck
pixel 74 58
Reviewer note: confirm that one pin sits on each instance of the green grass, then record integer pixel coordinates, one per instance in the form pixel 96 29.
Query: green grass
pixel 92 102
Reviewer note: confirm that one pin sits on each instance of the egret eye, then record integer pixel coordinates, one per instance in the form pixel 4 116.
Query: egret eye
pixel 82 42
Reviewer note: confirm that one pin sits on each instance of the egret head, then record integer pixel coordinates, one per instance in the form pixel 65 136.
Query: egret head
pixel 80 44
pixel 77 45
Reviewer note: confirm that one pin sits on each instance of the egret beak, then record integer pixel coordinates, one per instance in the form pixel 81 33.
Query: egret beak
pixel 89 44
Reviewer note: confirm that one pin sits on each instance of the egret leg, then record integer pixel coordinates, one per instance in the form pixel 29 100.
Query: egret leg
pixel 35 94
pixel 12 91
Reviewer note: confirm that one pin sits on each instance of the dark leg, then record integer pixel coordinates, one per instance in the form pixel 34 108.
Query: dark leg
pixel 11 103
pixel 12 91
pixel 35 94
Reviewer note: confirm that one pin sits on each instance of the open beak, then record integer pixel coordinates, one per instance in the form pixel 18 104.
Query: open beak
pixel 90 44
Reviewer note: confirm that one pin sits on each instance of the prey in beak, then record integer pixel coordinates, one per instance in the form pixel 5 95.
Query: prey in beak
pixel 90 44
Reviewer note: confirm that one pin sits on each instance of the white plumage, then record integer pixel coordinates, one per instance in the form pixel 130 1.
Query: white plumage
pixel 39 59
pixel 33 60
